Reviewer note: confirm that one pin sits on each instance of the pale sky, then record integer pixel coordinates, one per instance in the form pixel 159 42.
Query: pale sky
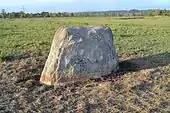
pixel 81 5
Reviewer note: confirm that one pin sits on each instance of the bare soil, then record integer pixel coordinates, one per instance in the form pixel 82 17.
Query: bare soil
pixel 131 90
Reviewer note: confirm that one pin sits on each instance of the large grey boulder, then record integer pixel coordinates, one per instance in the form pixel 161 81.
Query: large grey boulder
pixel 78 53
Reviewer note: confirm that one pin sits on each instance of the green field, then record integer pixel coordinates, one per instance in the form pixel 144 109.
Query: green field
pixel 144 42
pixel 140 37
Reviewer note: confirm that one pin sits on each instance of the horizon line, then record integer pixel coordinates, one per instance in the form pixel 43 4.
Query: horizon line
pixel 89 11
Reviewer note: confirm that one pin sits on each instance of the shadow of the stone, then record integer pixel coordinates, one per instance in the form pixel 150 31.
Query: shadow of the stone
pixel 148 62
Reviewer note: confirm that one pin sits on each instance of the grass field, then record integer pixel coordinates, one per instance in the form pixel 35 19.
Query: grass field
pixel 138 37
pixel 143 42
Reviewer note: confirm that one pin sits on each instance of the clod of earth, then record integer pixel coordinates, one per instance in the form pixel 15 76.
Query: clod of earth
pixel 79 53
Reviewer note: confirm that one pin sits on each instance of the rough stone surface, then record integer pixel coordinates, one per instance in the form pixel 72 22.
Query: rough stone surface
pixel 78 53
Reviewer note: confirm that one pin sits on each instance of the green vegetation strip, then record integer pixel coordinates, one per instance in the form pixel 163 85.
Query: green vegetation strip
pixel 133 37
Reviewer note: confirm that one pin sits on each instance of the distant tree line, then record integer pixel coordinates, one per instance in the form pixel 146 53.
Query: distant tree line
pixel 133 12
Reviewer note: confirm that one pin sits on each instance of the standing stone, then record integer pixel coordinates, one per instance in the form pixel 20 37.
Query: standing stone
pixel 79 53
